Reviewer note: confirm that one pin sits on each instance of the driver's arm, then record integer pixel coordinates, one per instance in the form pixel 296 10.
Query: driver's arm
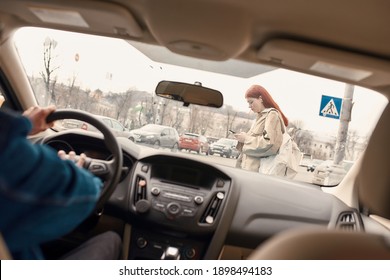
pixel 43 196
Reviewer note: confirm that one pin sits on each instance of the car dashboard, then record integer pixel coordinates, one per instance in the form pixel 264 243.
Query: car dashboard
pixel 176 207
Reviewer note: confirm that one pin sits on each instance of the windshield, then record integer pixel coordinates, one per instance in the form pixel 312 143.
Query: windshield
pixel 117 79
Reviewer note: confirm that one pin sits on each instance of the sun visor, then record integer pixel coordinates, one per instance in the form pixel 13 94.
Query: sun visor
pixel 93 17
pixel 327 62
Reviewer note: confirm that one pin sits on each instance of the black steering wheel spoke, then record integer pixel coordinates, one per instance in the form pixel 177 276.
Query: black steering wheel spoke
pixel 100 168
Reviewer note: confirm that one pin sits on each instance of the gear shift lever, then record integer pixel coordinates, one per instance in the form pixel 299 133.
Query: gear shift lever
pixel 171 253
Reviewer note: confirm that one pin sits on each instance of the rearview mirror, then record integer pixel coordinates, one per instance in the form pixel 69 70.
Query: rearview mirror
pixel 190 94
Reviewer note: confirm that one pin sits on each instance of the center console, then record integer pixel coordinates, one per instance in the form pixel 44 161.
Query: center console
pixel 176 207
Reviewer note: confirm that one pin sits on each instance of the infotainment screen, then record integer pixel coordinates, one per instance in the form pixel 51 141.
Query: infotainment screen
pixel 186 176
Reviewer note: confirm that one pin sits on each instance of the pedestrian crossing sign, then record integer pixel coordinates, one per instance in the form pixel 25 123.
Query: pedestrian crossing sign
pixel 330 107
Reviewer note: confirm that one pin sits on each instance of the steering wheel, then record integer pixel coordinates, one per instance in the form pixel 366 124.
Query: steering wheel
pixel 109 170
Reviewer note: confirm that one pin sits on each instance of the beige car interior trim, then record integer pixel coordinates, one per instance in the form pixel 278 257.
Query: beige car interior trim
pixel 382 221
pixel 373 180
pixel 229 252
pixel 346 190
pixel 15 72
pixel 306 244
pixel 126 241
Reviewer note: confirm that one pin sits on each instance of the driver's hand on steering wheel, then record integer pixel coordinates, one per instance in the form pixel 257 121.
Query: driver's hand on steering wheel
pixel 37 115
pixel 78 160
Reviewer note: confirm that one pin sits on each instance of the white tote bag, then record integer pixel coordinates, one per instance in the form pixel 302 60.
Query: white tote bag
pixel 285 163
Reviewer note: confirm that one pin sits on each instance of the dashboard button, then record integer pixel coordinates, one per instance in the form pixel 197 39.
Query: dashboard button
pixel 155 191
pixel 220 195
pixel 173 208
pixel 142 206
pixel 145 168
pixel 141 242
pixel 198 199
pixel 189 253
pixel 209 219
pixel 220 183
pixel 188 212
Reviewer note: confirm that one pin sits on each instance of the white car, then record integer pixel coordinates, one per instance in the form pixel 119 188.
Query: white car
pixel 330 174
pixel 225 147
pixel 155 135
pixel 117 128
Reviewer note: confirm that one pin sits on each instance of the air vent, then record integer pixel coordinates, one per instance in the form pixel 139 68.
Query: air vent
pixel 212 209
pixel 139 189
pixel 347 222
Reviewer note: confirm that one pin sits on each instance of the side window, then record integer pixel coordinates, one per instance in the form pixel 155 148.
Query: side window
pixel 165 132
pixel 107 122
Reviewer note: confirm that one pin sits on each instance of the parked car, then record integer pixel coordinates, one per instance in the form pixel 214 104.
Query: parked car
pixel 117 128
pixel 211 139
pixel 156 135
pixel 194 142
pixel 313 164
pixel 225 147
pixel 329 174
pixel 305 159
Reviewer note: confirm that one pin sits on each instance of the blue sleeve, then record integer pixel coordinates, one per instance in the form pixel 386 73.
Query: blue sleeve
pixel 41 196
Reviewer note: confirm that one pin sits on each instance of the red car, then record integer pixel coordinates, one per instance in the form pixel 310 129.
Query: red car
pixel 194 142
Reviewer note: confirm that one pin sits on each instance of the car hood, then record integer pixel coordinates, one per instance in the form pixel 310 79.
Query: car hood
pixel 219 145
pixel 142 132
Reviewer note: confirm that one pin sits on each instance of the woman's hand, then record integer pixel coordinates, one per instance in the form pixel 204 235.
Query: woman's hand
pixel 240 137
pixel 37 116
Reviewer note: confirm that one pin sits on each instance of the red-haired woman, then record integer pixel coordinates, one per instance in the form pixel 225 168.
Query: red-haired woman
pixel 265 137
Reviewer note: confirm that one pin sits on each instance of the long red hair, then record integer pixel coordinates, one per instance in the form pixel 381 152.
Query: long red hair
pixel 256 91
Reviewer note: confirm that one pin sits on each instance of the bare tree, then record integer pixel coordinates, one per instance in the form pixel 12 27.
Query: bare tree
pixel 296 124
pixel 231 115
pixel 354 145
pixel 178 117
pixel 205 121
pixel 193 121
pixel 304 139
pixel 122 103
pixel 47 75
pixel 85 101
pixel 172 114
pixel 72 90
pixel 149 109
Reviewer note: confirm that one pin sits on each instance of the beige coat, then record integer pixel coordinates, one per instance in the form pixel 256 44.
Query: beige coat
pixel 263 139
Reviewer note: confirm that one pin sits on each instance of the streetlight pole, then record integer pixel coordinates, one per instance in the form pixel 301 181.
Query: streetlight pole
pixel 345 118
